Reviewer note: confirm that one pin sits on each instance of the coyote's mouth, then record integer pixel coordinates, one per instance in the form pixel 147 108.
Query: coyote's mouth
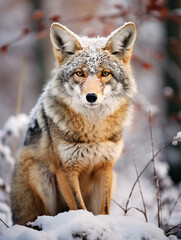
pixel 92 105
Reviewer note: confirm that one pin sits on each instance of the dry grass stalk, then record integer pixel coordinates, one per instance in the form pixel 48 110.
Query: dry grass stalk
pixel 118 204
pixel 4 223
pixel 127 210
pixel 173 230
pixel 158 195
pixel 20 87
pixel 19 99
pixel 137 209
pixel 139 184
pixel 144 169
pixel 172 209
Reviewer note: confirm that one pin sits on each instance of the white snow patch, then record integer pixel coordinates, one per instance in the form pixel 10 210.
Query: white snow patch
pixel 20 233
pixel 6 153
pixel 177 139
pixel 172 237
pixel 14 125
pixel 83 224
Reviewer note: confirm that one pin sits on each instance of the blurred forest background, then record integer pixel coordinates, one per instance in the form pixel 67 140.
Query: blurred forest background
pixel 26 61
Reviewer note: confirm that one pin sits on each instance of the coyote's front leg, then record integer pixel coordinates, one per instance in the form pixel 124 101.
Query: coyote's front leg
pixel 106 181
pixel 69 186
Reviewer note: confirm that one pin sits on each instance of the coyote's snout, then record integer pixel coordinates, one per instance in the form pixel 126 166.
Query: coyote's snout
pixel 75 132
pixel 92 86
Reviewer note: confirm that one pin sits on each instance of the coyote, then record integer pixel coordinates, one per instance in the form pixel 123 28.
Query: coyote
pixel 75 132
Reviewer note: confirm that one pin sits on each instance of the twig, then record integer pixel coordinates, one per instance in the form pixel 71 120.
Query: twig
pixel 155 174
pixel 127 210
pixel 141 173
pixel 171 230
pixel 16 39
pixel 118 204
pixel 4 223
pixel 142 211
pixel 139 184
pixel 171 211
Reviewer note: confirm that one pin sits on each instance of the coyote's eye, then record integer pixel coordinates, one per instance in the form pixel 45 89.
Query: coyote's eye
pixel 79 73
pixel 105 73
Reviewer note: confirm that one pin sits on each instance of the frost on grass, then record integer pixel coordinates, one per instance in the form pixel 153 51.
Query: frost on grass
pixel 82 224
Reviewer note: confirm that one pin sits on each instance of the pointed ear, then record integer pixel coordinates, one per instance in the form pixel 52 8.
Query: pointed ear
pixel 65 42
pixel 120 42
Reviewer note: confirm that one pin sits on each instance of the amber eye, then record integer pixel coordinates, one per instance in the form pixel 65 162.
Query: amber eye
pixel 105 73
pixel 79 73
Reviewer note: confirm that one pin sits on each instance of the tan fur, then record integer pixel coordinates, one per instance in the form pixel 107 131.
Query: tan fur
pixel 68 159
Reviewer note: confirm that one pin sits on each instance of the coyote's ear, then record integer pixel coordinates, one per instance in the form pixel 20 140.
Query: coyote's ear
pixel 65 42
pixel 120 42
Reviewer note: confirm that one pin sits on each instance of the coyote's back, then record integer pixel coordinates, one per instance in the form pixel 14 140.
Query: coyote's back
pixel 75 132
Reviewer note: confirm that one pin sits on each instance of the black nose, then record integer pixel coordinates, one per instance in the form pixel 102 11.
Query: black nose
pixel 91 97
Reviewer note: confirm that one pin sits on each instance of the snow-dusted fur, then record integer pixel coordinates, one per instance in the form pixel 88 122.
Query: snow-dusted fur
pixel 75 132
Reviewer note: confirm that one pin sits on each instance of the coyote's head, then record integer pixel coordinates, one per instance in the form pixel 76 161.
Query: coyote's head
pixel 93 72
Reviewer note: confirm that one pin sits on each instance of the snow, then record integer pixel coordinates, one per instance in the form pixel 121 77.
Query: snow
pixel 6 152
pixel 14 125
pixel 9 134
pixel 177 139
pixel 172 237
pixel 13 128
pixel 82 224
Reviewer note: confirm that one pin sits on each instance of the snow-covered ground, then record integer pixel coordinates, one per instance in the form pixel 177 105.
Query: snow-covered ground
pixel 84 225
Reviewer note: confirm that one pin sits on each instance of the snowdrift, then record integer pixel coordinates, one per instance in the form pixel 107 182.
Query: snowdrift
pixel 82 224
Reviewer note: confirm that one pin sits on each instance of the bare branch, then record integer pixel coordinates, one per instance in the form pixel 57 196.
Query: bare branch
pixel 139 184
pixel 23 34
pixel 173 230
pixel 141 173
pixel 139 210
pixel 4 223
pixel 172 209
pixel 155 174
pixel 130 208
pixel 118 204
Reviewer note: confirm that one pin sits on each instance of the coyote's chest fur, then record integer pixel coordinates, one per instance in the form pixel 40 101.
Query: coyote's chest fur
pixel 89 154
pixel 75 132
pixel 91 144
pixel 88 140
